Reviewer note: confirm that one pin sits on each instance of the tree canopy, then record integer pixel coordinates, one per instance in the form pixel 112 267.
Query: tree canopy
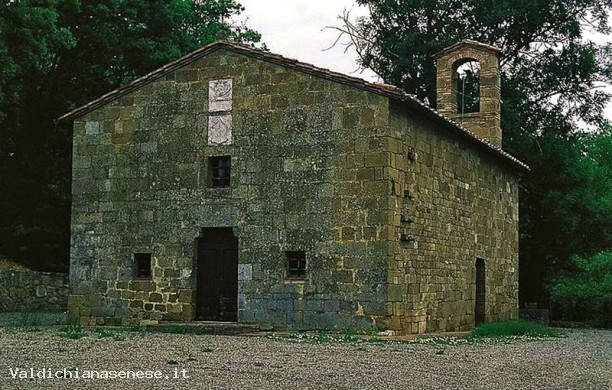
pixel 551 89
pixel 56 55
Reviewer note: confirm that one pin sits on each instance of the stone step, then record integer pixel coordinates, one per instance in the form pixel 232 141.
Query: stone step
pixel 207 327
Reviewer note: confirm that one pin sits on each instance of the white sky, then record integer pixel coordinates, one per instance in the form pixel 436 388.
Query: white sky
pixel 296 29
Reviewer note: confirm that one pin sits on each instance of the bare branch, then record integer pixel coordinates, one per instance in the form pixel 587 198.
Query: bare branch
pixel 357 40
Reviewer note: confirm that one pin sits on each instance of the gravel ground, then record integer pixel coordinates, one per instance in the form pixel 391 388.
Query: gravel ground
pixel 582 360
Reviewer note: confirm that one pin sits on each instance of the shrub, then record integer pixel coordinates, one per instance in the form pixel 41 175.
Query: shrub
pixel 586 295
pixel 512 328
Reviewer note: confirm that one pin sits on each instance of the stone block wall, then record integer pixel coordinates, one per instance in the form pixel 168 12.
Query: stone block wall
pixel 309 166
pixel 454 204
pixel 32 291
pixel 391 211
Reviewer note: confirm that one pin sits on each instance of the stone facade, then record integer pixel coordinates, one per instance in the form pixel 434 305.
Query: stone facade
pixel 453 207
pixel 31 291
pixel 390 203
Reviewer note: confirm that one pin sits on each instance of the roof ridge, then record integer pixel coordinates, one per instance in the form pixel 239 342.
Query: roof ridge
pixel 188 58
pixel 388 90
pixel 467 42
pixel 469 132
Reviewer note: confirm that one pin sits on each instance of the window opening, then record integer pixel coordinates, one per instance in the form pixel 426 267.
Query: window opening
pixel 143 265
pixel 220 171
pixel 296 264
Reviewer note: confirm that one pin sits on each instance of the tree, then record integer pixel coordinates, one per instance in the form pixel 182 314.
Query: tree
pixel 586 293
pixel 56 55
pixel 30 37
pixel 551 83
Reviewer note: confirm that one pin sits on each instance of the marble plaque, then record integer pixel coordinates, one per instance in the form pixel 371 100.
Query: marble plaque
pixel 220 95
pixel 220 130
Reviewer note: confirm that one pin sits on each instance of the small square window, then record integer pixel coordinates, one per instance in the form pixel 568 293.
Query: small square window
pixel 296 264
pixel 143 265
pixel 220 171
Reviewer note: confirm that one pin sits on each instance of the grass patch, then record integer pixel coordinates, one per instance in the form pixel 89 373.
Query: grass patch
pixel 31 329
pixel 368 330
pixel 27 319
pixel 170 329
pixel 323 337
pixel 437 340
pixel 141 330
pixel 173 329
pixel 31 320
pixel 512 329
pixel 74 332
pixel 105 333
pixel 136 328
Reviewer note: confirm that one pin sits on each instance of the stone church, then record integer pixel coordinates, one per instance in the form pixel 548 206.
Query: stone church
pixel 239 185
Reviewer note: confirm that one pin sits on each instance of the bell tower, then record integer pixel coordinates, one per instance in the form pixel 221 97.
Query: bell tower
pixel 469 88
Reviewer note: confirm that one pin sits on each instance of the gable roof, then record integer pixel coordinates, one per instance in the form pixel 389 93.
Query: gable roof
pixel 387 90
pixel 467 43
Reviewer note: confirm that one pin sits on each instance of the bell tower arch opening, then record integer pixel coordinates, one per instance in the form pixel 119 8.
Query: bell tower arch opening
pixel 467 84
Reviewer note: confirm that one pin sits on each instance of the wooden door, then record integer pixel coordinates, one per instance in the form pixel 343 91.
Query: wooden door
pixel 217 275
pixel 481 290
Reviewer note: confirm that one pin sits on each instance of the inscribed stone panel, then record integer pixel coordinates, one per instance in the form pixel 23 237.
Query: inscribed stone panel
pixel 220 130
pixel 220 95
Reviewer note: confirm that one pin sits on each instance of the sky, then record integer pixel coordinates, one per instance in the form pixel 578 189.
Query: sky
pixel 297 29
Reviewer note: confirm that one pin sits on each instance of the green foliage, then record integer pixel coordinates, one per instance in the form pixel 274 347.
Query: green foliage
pixel 29 36
pixel 73 331
pixel 586 293
pixel 550 79
pixel 398 38
pixel 369 330
pixel 174 329
pixel 32 321
pixel 566 204
pixel 437 341
pixel 105 333
pixel 512 329
pixel 324 337
pixel 171 329
pixel 29 320
pixel 56 55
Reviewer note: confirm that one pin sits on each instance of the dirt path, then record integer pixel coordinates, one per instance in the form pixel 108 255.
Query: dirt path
pixel 583 360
